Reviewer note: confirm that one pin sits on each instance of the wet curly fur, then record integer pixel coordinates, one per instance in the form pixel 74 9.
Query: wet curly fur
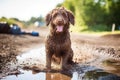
pixel 58 43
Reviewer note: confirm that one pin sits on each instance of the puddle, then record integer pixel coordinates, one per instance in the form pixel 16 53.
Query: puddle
pixel 36 59
pixel 26 75
pixel 89 75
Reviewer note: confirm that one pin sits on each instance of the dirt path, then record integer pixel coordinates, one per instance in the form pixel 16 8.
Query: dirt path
pixel 15 44
pixel 23 42
pixel 85 47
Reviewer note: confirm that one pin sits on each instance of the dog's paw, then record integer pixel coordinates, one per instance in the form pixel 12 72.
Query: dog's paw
pixel 48 70
pixel 67 67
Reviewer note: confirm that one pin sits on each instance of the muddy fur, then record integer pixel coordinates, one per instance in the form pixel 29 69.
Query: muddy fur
pixel 58 43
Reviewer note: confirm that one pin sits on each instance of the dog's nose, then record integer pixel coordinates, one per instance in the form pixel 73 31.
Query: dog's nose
pixel 59 21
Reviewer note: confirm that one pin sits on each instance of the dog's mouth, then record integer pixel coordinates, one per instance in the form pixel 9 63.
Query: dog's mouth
pixel 59 28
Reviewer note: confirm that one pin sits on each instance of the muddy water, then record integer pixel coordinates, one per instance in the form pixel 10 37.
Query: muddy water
pixel 31 65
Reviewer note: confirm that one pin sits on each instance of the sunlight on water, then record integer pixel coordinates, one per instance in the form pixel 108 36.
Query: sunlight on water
pixel 75 76
pixel 27 75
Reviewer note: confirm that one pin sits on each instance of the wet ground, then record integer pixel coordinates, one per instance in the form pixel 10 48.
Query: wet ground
pixel 30 65
pixel 23 57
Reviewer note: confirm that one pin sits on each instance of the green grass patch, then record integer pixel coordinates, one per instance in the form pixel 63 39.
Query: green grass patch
pixel 94 30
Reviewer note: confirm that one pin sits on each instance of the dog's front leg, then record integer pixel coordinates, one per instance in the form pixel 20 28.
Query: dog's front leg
pixel 64 64
pixel 48 60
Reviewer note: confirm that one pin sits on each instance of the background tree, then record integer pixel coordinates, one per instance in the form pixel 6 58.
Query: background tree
pixel 95 14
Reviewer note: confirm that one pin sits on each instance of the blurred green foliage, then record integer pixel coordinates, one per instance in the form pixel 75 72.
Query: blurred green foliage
pixel 96 15
pixel 9 21
pixel 12 21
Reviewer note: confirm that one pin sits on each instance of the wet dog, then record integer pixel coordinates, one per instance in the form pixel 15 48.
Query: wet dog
pixel 58 43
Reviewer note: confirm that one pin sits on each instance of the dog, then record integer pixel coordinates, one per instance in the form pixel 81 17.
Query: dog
pixel 58 43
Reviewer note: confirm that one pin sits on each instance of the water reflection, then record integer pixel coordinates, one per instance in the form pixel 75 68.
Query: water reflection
pixel 29 75
pixel 57 76
pixel 89 75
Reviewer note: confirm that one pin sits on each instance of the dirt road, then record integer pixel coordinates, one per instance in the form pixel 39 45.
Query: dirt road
pixel 22 42
pixel 85 47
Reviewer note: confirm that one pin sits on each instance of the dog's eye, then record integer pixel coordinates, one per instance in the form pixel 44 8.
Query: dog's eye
pixel 64 14
pixel 55 15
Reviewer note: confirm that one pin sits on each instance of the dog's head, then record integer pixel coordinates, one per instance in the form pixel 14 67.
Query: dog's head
pixel 60 18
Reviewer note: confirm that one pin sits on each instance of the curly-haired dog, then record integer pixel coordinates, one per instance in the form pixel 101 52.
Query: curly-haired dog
pixel 58 43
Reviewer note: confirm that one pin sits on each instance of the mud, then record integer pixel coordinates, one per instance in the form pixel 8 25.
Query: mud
pixel 23 57
pixel 31 65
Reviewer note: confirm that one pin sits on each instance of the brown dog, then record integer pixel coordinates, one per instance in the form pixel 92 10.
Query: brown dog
pixel 58 43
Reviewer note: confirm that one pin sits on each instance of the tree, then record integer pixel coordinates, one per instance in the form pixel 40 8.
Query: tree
pixel 94 12
pixel 3 19
pixel 113 12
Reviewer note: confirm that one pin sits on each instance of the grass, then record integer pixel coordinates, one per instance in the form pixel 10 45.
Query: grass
pixel 93 30
pixel 100 33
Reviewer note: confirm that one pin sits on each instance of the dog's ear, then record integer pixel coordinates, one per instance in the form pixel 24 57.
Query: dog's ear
pixel 71 17
pixel 48 19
